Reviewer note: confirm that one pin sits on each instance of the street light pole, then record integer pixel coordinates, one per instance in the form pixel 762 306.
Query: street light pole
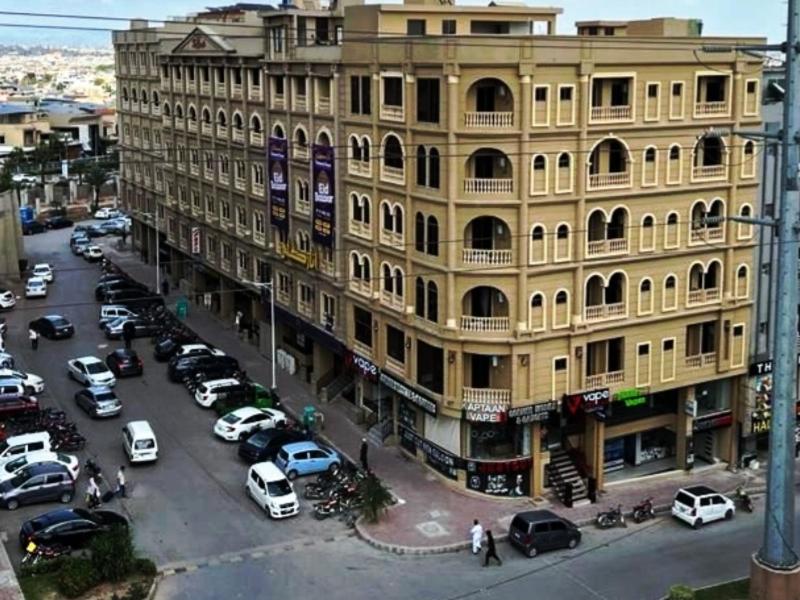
pixel 158 255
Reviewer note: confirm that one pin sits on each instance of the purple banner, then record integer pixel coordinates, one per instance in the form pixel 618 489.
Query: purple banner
pixel 278 167
pixel 324 195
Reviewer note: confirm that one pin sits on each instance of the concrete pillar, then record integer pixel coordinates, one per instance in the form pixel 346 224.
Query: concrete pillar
pixel 537 464
pixel 593 446
pixel 683 428
pixel 453 311
pixel 522 217
pixel 225 301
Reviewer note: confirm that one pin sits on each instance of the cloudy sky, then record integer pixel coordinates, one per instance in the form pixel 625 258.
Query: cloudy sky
pixel 720 17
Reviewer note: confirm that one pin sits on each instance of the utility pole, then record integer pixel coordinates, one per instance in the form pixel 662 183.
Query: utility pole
pixel 775 572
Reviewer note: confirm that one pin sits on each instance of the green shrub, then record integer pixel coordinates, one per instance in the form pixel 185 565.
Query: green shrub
pixel 113 554
pixel 681 592
pixel 145 566
pixel 76 576
pixel 42 567
pixel 376 496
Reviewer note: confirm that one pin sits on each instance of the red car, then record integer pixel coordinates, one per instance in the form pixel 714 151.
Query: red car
pixel 11 406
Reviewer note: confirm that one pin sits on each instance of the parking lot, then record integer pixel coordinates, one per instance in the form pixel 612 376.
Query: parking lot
pixel 191 503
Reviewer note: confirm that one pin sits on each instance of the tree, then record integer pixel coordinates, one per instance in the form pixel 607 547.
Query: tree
pixel 79 168
pixel 96 177
pixel 376 496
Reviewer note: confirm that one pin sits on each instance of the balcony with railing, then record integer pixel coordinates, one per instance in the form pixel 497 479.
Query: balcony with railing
pixel 279 101
pixel 191 86
pixel 604 379
pixel 324 106
pixel 300 103
pixel 485 324
pixel 488 173
pixel 393 174
pixel 206 128
pixel 205 88
pixel 355 227
pixel 238 135
pixel 392 300
pixel 709 159
pixel 493 396
pixel 239 183
pixel 611 100
pixel 485 310
pixel 222 131
pixel 609 166
pixel 224 178
pixel 191 125
pixel 255 93
pixel 155 110
pixel 605 247
pixel 303 207
pixel 697 361
pixel 361 286
pixel 711 109
pixel 707 234
pixel 180 123
pixel 392 112
pixel 703 296
pixel 487 243
pixel 391 238
pixel 605 299
pixel 491 105
pixel 256 138
pixel 194 169
pixel 166 120
pixel 236 91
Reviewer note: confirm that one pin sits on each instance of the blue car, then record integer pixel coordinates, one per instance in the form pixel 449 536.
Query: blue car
pixel 305 458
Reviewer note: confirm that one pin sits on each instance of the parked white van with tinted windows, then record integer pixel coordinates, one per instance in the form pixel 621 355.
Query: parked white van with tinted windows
pixel 139 442
pixel 18 445
pixel 268 486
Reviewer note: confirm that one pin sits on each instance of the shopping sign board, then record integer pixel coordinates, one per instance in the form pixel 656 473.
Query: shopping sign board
pixel 590 402
pixel 195 240
pixel 631 397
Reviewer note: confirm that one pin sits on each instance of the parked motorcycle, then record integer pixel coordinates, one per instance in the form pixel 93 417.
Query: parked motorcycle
pixel 644 510
pixel 744 499
pixel 611 518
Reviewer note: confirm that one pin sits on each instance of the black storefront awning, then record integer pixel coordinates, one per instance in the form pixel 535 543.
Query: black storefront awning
pixel 322 337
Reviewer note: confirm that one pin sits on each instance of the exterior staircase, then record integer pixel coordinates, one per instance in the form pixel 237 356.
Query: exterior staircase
pixel 561 471
pixel 378 433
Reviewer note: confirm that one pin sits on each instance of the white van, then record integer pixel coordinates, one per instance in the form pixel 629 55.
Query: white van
pixel 110 312
pixel 268 486
pixel 17 445
pixel 140 442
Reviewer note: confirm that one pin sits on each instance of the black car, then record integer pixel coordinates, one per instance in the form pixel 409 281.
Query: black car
pixel 535 531
pixel 141 327
pixel 101 290
pixel 95 231
pixel 32 227
pixel 73 527
pixel 57 223
pixel 264 445
pixel 109 277
pixel 53 327
pixel 124 363
pixel 212 367
pixel 135 299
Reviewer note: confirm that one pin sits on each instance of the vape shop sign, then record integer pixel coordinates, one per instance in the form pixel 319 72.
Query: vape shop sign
pixel 485 412
pixel 593 401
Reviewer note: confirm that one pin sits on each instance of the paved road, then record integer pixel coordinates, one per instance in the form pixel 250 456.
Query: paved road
pixel 638 563
pixel 191 504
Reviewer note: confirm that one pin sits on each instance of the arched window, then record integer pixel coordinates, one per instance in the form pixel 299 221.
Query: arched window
pixel 419 297
pixel 422 166
pixel 125 96
pixel 647 241
pixel 255 124
pixel 645 297
pixel 433 302
pixel 222 118
pixel 156 98
pixel 744 231
pixel 134 95
pixel 300 145
pixel 393 153
pixel 433 236
pixel 166 110
pixel 419 232
pixel 748 159
pixel 650 168
pixel 672 235
pixel 206 116
pixel 238 121
pixel 191 113
pixel 539 174
pixel 674 174
pixel 323 139
pixel 399 278
pixel 538 247
pixel 561 309
pixel 398 219
pixel 536 319
pixel 670 298
pixel 564 175
pixel 388 280
pixel 365 143
pixel 278 132
pixel 742 282
pixel 355 148
pixel 562 243
pixel 178 110
pixel 433 168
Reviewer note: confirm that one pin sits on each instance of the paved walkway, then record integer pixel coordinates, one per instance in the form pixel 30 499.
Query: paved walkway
pixel 430 516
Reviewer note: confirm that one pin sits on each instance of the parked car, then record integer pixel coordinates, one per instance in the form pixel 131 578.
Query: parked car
pixel 106 277
pixel 212 367
pixel 7 299
pixel 264 445
pixel 270 489
pixel 57 223
pixel 52 327
pixel 134 299
pixel 535 531
pixel 110 312
pixel 125 363
pixel 106 213
pixel 80 246
pixel 16 405
pixel 139 442
pixel 197 350
pixel 11 467
pixel 110 227
pixel 36 288
pixel 6 361
pixel 699 504
pixel 99 401
pixel 95 231
pixel 101 290
pixel 44 482
pixel 170 347
pixel 90 371
pixel 93 253
pixel 72 527
pixel 305 458
pixel 240 423
pixel 118 226
pixel 32 227
pixel 44 271
pixel 17 445
pixel 142 327
pixel 33 384
pixel 208 392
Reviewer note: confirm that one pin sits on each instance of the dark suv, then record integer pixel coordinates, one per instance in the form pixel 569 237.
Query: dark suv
pixel 535 531
pixel 212 367
pixel 264 445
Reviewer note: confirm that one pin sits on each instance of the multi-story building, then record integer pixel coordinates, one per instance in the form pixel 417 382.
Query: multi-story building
pixel 21 126
pixel 501 231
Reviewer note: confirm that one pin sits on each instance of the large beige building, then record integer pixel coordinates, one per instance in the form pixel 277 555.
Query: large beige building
pixel 499 232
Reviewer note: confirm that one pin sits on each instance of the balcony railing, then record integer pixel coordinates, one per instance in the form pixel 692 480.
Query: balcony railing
pixel 708 234
pixel 155 110
pixel 256 138
pixel 700 360
pixel 236 90
pixel 478 256
pixel 359 167
pixel 392 300
pixel 258 189
pixel 191 125
pixel 222 131
pixel 254 92
pixel 602 181
pixel 205 88
pixel 191 86
pixel 279 101
pixel 180 123
pixel 300 102
pixel 361 286
pixel 327 267
pixel 304 208
pixel 393 174
pixel 358 228
pixel 705 109
pixel 219 89
pixel 301 152
pixel 391 112
pixel 602 247
pixel 239 183
pixel 391 238
pixel 703 296
pixel 166 120
pixel 205 128
pixel 601 312
pixel 238 135
pixel 305 308
pixel 612 113
pixel 709 172
pixel 324 106
pixel 488 120
pixel 493 395
pixel 476 185
pixel 601 379
pixel 165 83
pixel 208 174
pixel 481 324
pixel 224 178
pixel 194 169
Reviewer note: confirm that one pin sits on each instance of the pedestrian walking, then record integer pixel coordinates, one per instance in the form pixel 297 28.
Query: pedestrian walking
pixel 165 287
pixel 128 333
pixel 121 482
pixel 477 536
pixel 363 454
pixel 237 322
pixel 33 336
pixel 92 494
pixel 491 550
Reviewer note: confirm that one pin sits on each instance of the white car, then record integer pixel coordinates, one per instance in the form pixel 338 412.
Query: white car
pixel 107 213
pixel 92 253
pixel 90 370
pixel 197 349
pixel 44 271
pixel 29 380
pixel 242 422
pixel 208 392
pixel 13 466
pixel 36 288
pixel 699 504
pixel 6 360
pixel 268 486
pixel 7 299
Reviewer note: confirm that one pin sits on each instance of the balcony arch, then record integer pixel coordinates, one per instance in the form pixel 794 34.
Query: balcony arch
pixel 705 282
pixel 324 137
pixel 707 221
pixel 178 110
pixel 222 118
pixel 605 298
pixel 300 142
pixel 360 273
pixel 392 285
pixel 392 223
pixel 358 157
pixel 278 130
pixel 191 113
pixel 166 110
pixel 645 300
pixel 537 315
pixel 238 121
pixel 539 175
pixel 487 241
pixel 205 116
pixel 607 233
pixel 742 291
pixel 490 104
pixel 537 249
pixel 485 309
pixel 134 95
pixel 609 164
pixel 155 98
pixel 488 172
pixel 709 157
pixel 393 162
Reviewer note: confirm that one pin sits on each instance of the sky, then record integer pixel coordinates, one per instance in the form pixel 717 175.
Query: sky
pixel 757 18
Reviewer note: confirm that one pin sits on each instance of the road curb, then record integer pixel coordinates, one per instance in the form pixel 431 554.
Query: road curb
pixel 154 587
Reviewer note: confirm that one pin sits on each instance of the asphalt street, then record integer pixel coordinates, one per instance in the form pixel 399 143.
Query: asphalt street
pixel 190 504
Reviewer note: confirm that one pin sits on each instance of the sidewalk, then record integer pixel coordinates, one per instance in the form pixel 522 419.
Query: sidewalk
pixel 430 516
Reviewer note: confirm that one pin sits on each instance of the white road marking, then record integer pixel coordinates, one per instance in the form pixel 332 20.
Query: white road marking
pixel 102 346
